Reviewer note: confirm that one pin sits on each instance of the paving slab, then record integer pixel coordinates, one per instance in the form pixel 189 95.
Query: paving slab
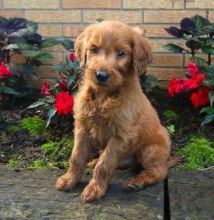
pixel 192 195
pixel 29 194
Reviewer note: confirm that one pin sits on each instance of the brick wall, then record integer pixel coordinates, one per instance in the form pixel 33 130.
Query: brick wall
pixel 67 18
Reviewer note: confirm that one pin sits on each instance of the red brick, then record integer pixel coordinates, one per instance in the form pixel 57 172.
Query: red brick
pixel 45 72
pixel 158 44
pixel 31 4
pixel 201 4
pixel 11 13
pixel 162 16
pixel 165 73
pixel 91 4
pixel 155 31
pixel 50 30
pixel 54 16
pixel 153 4
pixel 167 60
pixel 72 31
pixel 125 16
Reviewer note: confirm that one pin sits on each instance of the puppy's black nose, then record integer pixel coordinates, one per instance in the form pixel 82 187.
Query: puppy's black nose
pixel 102 76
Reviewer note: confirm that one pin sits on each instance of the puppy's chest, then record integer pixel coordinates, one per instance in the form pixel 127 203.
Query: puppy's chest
pixel 100 123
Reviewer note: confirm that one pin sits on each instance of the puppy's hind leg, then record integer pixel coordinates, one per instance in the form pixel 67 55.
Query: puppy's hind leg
pixel 153 160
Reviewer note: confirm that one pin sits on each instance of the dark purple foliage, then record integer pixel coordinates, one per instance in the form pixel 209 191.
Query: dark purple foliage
pixel 174 31
pixel 187 25
pixel 12 25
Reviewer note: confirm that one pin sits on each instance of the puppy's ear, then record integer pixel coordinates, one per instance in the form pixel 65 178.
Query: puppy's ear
pixel 142 52
pixel 80 47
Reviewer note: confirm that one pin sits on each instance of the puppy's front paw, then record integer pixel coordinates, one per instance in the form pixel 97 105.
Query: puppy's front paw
pixel 65 182
pixel 92 192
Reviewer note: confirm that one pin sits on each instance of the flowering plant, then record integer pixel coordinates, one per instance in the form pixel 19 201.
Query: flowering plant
pixel 194 82
pixel 198 33
pixel 58 94
pixel 19 39
pixel 6 82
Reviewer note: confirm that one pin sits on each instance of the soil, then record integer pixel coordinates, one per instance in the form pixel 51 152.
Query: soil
pixel 27 148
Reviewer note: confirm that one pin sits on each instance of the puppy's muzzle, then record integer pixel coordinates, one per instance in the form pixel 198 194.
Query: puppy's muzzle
pixel 102 77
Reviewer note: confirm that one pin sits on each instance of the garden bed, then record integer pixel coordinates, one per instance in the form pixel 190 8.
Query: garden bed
pixel 22 149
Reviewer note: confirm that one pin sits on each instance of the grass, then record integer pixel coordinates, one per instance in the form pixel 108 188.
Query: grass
pixel 199 154
pixel 12 129
pixel 171 128
pixel 37 164
pixel 169 114
pixel 58 151
pixel 13 162
pixel 34 125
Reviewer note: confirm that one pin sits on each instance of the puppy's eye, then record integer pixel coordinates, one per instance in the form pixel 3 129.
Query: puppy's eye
pixel 120 54
pixel 95 50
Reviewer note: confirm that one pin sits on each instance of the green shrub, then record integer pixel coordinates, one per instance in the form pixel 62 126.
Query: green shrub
pixel 58 151
pixel 12 129
pixel 169 114
pixel 13 161
pixel 34 125
pixel 37 164
pixel 199 153
pixel 171 128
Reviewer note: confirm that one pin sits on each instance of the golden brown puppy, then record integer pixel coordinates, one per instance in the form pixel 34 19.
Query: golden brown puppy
pixel 111 112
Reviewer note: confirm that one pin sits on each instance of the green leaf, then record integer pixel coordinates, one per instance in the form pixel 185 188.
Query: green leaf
pixel 59 68
pixel 70 80
pixel 36 104
pixel 210 68
pixel 51 113
pixel 24 46
pixel 67 44
pixel 200 21
pixel 9 91
pixel 49 42
pixel 171 129
pixel 208 50
pixel 10 47
pixel 211 97
pixel 50 99
pixel 205 30
pixel 31 53
pixel 200 61
pixel 173 48
pixel 207 119
pixel 205 41
pixel 208 110
pixel 44 56
pixel 209 83
pixel 32 26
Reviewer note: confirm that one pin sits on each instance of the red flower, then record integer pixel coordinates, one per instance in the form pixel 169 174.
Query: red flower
pixel 64 103
pixel 192 68
pixel 72 57
pixel 200 98
pixel 63 86
pixel 194 81
pixel 45 89
pixel 176 86
pixel 4 71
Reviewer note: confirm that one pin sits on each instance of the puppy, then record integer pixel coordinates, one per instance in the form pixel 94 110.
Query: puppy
pixel 112 114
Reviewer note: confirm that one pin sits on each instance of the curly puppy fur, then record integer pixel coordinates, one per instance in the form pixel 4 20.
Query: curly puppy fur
pixel 114 117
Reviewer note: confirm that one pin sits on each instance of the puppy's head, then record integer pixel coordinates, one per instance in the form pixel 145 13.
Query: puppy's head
pixel 110 52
